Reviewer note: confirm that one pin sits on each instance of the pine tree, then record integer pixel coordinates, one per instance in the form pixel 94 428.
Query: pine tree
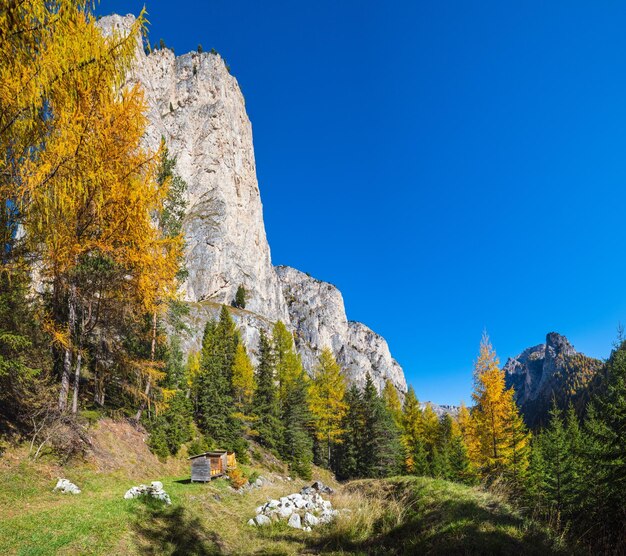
pixel 265 400
pixel 605 457
pixel 297 446
pixel 216 412
pixel 327 403
pixel 379 444
pixel 172 427
pixel 348 461
pixel 240 297
pixel 518 440
pixel 554 447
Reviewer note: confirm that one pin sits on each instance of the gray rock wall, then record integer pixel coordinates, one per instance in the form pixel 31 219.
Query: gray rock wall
pixel 197 106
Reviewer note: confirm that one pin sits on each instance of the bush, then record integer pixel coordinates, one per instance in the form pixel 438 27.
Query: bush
pixel 237 480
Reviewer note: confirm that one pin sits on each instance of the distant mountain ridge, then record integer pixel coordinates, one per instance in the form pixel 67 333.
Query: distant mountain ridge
pixel 553 370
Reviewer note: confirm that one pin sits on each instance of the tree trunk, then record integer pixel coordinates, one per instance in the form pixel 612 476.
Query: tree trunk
pixel 76 383
pixel 152 355
pixel 67 360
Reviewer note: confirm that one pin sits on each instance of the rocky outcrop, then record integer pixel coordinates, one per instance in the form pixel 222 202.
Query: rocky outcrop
pixel 318 317
pixel 441 410
pixel 551 370
pixel 197 107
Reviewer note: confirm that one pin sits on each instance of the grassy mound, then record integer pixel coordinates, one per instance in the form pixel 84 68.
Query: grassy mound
pixel 404 515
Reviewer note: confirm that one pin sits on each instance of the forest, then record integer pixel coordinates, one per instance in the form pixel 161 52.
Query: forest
pixel 91 322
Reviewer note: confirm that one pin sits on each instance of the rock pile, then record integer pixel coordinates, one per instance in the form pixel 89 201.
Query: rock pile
pixel 155 490
pixel 66 487
pixel 303 510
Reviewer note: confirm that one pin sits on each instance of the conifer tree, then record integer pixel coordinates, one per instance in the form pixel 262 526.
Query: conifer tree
pixel 496 430
pixel 288 363
pixel 392 401
pixel 327 403
pixel 379 443
pixel 243 379
pixel 430 430
pixel 605 457
pixel 415 454
pixel 297 446
pixel 216 411
pixel 348 461
pixel 243 387
pixel 265 400
pixel 554 447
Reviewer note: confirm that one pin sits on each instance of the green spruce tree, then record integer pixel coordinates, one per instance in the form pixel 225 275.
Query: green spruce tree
pixel 265 401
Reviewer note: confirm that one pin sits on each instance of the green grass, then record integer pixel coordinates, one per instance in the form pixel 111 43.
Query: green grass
pixel 395 516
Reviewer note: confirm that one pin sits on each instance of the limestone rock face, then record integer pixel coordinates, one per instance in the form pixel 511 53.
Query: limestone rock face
pixel 318 316
pixel 197 107
pixel 554 370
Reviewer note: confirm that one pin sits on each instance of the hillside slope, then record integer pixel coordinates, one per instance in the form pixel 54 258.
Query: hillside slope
pixel 405 515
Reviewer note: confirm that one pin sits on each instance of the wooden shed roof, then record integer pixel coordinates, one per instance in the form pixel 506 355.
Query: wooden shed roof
pixel 211 454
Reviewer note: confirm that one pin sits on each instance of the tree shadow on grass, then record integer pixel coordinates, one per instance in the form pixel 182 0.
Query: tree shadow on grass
pixel 451 527
pixel 166 530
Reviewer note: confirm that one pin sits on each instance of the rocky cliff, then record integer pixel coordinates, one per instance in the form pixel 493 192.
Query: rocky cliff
pixel 554 370
pixel 318 317
pixel 196 105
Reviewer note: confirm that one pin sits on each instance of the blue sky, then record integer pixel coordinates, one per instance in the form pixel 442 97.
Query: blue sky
pixel 450 166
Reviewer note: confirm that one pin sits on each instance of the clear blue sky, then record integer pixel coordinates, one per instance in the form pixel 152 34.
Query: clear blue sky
pixel 451 166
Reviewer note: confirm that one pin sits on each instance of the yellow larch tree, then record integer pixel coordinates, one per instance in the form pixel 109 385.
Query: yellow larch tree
pixel 243 378
pixel 87 192
pixel 430 427
pixel 326 400
pixel 412 438
pixel 492 416
pixel 392 402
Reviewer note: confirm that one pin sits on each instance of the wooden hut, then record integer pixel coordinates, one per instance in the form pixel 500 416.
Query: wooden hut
pixel 209 465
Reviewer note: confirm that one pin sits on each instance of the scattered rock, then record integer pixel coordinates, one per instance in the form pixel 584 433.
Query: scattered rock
pixel 155 490
pixel 252 522
pixel 66 487
pixel 303 510
pixel 262 520
pixel 294 521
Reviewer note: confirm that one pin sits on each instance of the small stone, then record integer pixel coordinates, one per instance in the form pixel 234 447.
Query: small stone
pixel 294 521
pixel 273 504
pixel 258 483
pixel 252 522
pixel 310 519
pixel 262 520
pixel 285 512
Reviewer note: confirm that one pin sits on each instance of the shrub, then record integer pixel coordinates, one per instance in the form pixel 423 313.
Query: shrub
pixel 237 480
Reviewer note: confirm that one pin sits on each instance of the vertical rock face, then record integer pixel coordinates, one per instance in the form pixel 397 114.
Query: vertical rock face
pixel 197 107
pixel 554 370
pixel 318 316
